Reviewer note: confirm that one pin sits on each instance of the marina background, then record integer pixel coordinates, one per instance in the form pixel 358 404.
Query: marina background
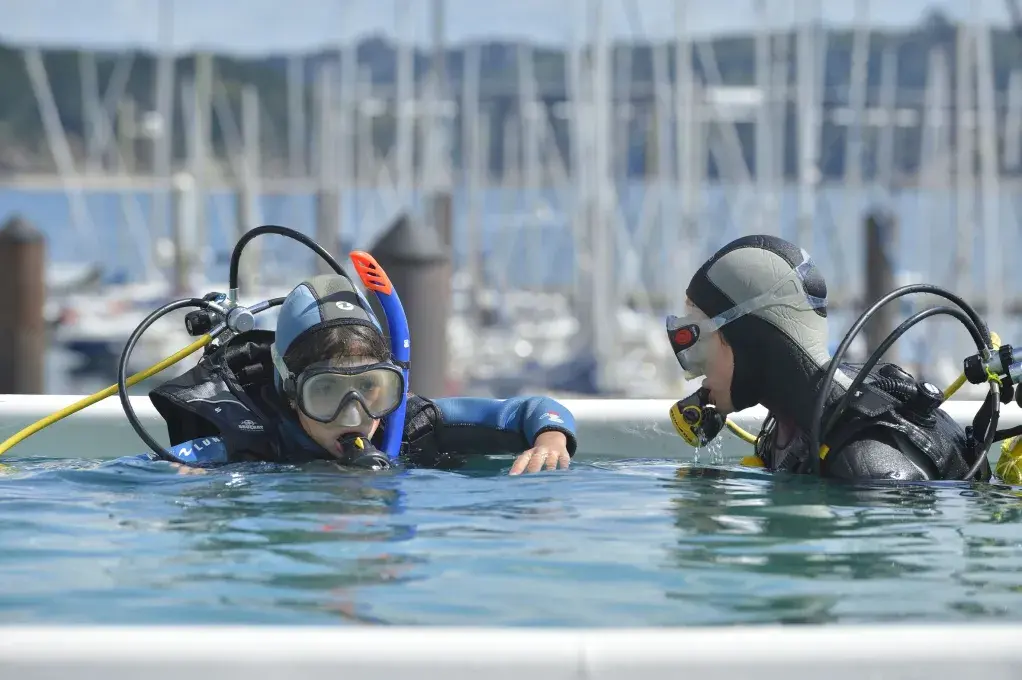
pixel 588 170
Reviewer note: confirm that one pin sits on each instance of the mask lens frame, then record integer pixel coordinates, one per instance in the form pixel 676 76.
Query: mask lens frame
pixel 322 392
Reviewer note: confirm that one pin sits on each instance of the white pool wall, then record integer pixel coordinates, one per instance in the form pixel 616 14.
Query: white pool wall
pixel 835 652
pixel 607 428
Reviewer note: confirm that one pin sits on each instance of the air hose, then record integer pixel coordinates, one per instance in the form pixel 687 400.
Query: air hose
pixel 103 394
pixel 874 358
pixel 290 233
pixel 129 346
pixel 966 315
pixel 224 309
pixel 744 435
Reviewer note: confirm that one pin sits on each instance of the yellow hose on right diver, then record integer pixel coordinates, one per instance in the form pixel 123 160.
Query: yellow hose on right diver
pixel 744 435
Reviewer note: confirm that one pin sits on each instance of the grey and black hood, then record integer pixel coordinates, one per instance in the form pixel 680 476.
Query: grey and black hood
pixel 780 351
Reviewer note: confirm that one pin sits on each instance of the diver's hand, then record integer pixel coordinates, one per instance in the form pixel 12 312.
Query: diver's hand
pixel 183 469
pixel 548 452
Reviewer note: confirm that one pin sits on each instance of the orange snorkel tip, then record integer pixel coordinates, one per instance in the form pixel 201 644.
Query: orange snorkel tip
pixel 370 272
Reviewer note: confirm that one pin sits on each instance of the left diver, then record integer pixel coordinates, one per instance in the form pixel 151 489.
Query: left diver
pixel 322 386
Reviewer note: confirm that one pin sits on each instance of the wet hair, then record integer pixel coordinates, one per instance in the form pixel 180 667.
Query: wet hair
pixel 348 340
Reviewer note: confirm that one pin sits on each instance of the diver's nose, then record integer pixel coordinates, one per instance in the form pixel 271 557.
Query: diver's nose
pixel 350 416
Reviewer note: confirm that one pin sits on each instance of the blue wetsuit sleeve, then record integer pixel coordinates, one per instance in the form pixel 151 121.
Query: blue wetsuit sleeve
pixel 204 451
pixel 493 420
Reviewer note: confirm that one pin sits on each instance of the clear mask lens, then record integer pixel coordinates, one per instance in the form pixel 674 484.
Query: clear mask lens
pixel 328 394
pixel 694 360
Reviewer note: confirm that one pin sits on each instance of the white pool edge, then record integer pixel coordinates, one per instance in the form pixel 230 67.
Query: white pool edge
pixel 607 428
pixel 936 652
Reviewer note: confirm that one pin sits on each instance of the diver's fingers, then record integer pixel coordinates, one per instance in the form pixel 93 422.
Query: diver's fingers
pixel 552 460
pixel 183 469
pixel 539 457
pixel 520 462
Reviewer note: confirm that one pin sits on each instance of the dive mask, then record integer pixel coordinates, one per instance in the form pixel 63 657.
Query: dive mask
pixel 685 333
pixel 327 393
pixel 696 419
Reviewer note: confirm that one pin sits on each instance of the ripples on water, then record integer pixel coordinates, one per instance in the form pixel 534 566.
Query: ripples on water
pixel 606 544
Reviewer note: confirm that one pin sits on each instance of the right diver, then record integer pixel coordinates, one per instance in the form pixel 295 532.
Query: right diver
pixel 755 328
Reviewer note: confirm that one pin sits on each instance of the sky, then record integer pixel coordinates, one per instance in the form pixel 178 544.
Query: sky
pixel 267 26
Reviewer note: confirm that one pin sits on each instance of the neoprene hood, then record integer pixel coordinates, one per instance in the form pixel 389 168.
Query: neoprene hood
pixel 779 351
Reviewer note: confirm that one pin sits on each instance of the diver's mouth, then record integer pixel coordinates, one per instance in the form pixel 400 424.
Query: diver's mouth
pixel 339 442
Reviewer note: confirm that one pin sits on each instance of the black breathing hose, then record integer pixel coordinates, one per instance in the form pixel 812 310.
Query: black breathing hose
pixel 888 342
pixel 988 436
pixel 122 365
pixel 280 231
pixel 977 329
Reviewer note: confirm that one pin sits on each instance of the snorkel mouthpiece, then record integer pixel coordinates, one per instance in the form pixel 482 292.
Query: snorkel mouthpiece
pixel 357 451
pixel 696 419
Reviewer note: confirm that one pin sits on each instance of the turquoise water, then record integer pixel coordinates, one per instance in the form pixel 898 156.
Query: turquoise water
pixel 603 544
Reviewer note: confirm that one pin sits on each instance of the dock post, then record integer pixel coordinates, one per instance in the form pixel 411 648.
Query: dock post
pixel 328 193
pixel 22 324
pixel 417 263
pixel 881 234
pixel 443 221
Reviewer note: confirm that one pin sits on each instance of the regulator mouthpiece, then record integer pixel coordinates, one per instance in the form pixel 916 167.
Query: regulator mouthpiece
pixel 357 451
pixel 696 419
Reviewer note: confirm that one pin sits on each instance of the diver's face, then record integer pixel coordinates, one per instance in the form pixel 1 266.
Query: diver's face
pixel 328 435
pixel 719 366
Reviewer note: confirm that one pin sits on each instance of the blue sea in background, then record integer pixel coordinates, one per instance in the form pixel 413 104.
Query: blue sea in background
pixel 527 241
pixel 118 237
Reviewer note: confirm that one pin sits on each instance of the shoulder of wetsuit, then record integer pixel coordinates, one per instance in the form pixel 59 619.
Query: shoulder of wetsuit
pixel 420 443
pixel 210 400
pixel 879 452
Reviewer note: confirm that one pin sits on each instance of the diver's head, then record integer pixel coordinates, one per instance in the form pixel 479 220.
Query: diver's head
pixel 333 362
pixel 755 326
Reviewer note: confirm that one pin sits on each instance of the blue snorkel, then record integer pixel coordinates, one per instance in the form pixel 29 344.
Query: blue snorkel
pixel 375 279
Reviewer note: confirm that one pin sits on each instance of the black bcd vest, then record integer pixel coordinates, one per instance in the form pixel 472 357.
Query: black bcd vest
pixel 882 407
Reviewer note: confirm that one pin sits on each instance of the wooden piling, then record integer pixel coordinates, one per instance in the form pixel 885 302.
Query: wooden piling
pixel 416 261
pixel 881 235
pixel 22 324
